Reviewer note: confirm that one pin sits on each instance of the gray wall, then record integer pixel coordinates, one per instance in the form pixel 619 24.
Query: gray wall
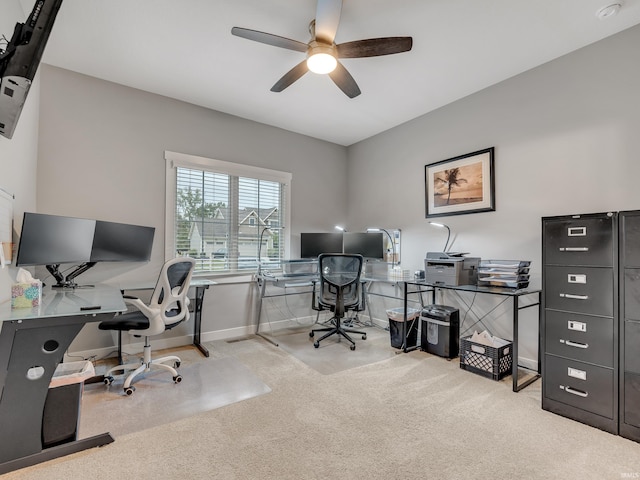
pixel 18 156
pixel 566 138
pixel 102 156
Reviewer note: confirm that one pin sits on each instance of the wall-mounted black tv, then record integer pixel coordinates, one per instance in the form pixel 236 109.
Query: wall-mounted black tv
pixel 369 244
pixel 20 60
pixel 313 244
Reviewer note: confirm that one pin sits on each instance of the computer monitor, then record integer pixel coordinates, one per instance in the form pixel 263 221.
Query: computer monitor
pixel 369 244
pixel 51 240
pixel 313 244
pixel 121 242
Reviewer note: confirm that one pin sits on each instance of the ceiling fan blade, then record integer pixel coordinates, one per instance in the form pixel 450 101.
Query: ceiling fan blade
pixel 374 47
pixel 345 82
pixel 291 76
pixel 269 39
pixel 327 20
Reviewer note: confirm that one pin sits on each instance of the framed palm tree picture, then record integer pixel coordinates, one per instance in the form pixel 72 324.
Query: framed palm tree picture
pixel 459 185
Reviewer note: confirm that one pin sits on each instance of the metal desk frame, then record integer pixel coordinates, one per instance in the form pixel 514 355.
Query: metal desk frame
pixel 200 284
pixel 283 282
pixel 39 336
pixel 515 295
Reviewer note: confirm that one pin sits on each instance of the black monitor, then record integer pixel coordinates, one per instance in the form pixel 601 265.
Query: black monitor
pixel 369 244
pixel 121 242
pixel 313 244
pixel 51 240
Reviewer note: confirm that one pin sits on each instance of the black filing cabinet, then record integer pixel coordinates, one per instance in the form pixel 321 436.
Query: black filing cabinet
pixel 579 319
pixel 630 325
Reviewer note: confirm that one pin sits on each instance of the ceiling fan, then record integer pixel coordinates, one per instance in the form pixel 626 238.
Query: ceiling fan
pixel 322 51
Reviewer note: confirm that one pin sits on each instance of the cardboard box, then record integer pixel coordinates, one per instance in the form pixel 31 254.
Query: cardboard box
pixel 26 295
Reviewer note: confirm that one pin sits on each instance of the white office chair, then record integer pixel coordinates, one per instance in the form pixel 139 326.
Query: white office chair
pixel 169 306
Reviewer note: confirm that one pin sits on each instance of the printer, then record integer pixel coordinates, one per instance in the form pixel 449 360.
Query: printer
pixel 454 269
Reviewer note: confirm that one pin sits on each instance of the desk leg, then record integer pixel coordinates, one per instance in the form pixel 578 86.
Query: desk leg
pixel 263 287
pixel 24 345
pixel 197 327
pixel 514 364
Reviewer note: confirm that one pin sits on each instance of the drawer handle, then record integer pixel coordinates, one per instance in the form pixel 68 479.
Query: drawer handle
pixel 579 393
pixel 574 297
pixel 574 249
pixel 569 343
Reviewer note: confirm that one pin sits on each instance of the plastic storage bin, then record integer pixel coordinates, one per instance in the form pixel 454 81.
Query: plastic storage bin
pixel 440 330
pixel 490 362
pixel 62 406
pixel 396 321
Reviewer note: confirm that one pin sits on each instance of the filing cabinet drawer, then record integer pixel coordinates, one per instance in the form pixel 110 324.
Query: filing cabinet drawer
pixel 631 411
pixel 632 347
pixel 630 232
pixel 579 289
pixel 580 337
pixel 579 240
pixel 631 294
pixel 581 385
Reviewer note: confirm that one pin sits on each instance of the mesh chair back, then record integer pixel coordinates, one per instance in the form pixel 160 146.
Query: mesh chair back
pixel 339 280
pixel 170 294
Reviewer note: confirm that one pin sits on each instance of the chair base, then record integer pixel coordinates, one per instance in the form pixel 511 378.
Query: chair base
pixel 339 330
pixel 144 365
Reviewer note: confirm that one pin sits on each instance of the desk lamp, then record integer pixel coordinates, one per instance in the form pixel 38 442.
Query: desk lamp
pixel 442 225
pixel 260 244
pixel 393 244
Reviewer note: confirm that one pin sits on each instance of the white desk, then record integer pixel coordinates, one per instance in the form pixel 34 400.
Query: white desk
pixel 38 337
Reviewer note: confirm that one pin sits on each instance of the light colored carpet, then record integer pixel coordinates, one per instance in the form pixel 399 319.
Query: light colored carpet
pixel 411 416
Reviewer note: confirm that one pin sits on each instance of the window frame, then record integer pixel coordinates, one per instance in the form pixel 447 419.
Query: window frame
pixel 175 159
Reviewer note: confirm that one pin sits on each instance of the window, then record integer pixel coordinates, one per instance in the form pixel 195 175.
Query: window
pixel 225 215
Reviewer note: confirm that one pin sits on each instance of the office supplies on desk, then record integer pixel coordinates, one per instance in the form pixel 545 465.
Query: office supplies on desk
pixel 451 269
pixel 504 273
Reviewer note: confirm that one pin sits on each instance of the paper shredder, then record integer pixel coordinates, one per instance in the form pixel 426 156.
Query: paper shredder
pixel 440 330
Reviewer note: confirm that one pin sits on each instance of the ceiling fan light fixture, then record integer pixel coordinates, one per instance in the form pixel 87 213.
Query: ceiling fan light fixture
pixel 321 58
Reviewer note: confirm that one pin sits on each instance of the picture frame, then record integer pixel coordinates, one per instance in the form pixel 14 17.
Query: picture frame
pixel 460 185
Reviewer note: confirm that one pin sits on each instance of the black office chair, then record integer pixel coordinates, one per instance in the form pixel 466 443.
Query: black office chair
pixel 339 291
pixel 169 306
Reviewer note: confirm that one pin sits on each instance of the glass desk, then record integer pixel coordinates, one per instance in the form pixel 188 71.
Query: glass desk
pixel 410 287
pixel 32 344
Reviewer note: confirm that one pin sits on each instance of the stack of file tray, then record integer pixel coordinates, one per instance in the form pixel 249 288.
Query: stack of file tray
pixel 504 273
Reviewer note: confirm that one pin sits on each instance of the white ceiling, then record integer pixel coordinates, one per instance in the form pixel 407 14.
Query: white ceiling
pixel 185 50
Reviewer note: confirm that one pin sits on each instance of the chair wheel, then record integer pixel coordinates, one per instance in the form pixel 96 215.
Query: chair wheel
pixel 177 364
pixel 364 336
pixel 352 347
pixel 316 344
pixel 108 380
pixel 177 378
pixel 311 334
pixel 129 391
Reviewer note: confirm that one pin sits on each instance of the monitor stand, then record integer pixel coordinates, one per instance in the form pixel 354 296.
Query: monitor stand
pixel 67 282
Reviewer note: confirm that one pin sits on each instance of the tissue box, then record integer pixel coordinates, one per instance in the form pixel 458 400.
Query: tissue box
pixel 26 295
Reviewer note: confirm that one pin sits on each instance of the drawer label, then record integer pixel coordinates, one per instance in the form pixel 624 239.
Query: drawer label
pixel 575 373
pixel 577 326
pixel 577 231
pixel 577 278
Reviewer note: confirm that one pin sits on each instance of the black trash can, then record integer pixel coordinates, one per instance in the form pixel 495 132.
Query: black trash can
pixel 396 322
pixel 440 330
